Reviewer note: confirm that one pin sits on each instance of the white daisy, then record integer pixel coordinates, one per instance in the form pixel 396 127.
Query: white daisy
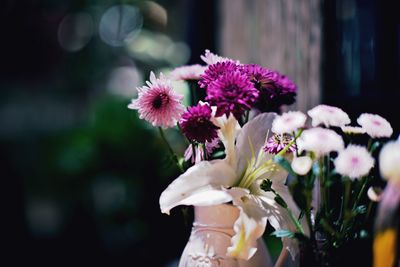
pixel 301 165
pixel 389 161
pixel 320 141
pixel 289 122
pixel 375 125
pixel 190 72
pixel 328 116
pixel 353 130
pixel 355 162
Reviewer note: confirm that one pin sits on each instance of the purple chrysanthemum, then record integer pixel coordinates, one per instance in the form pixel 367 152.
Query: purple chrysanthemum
pixel 275 89
pixel 196 124
pixel 157 103
pixel 232 93
pixel 214 71
pixel 278 142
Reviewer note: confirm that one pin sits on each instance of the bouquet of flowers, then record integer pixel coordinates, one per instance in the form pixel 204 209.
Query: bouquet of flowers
pixel 310 182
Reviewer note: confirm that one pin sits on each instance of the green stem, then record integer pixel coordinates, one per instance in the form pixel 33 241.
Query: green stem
pixel 345 201
pixel 171 151
pixel 295 221
pixel 284 205
pixel 364 182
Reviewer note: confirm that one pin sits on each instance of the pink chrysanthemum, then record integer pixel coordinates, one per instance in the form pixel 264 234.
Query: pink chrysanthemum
pixel 354 162
pixel 199 151
pixel 157 103
pixel 328 116
pixel 196 124
pixel 375 125
pixel 211 58
pixel 320 141
pixel 277 142
pixel 214 71
pixel 232 93
pixel 275 89
pixel 288 122
pixel 187 73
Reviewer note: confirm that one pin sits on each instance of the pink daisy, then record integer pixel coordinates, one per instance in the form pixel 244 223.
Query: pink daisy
pixel 328 116
pixel 375 125
pixel 190 72
pixel 157 103
pixel 288 122
pixel 354 162
pixel 320 141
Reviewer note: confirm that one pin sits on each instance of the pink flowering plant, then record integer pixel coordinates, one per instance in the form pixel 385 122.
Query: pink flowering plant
pixel 332 179
pixel 309 183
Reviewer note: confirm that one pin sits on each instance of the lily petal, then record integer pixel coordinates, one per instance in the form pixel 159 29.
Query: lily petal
pixel 201 185
pixel 255 131
pixel 229 128
pixel 249 226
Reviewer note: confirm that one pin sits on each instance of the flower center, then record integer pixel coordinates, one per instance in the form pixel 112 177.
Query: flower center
pixel 354 160
pixel 160 100
pixel 377 123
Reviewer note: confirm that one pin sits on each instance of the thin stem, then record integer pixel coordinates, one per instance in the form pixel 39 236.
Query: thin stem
pixel 347 191
pixel 364 182
pixel 171 151
pixel 296 222
pixel 295 144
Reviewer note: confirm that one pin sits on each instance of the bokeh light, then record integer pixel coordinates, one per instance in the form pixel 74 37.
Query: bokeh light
pixel 120 23
pixel 75 31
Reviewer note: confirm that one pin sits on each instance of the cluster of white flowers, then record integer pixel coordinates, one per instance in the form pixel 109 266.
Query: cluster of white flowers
pixel 353 161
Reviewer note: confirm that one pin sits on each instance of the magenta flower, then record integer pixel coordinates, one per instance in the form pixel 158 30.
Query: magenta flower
pixel 196 124
pixel 277 142
pixel 275 89
pixel 232 93
pixel 214 71
pixel 157 103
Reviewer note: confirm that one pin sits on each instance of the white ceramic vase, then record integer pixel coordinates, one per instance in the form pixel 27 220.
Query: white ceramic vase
pixel 211 236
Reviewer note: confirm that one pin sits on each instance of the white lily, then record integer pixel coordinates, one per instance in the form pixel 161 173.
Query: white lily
pixel 236 179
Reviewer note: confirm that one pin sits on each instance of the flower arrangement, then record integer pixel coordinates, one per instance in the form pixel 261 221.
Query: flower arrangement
pixel 312 183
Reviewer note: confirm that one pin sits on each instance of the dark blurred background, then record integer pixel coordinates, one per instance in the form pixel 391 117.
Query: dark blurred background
pixel 82 174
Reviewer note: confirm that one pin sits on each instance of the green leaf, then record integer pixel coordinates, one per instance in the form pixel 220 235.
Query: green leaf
pixel 283 233
pixel 361 209
pixel 285 164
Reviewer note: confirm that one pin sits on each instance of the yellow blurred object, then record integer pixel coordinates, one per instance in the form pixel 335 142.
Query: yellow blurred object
pixel 385 248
